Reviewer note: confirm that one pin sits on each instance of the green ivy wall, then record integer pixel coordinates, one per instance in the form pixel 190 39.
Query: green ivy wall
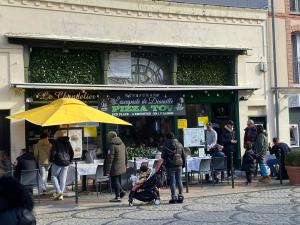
pixel 50 65
pixel 204 70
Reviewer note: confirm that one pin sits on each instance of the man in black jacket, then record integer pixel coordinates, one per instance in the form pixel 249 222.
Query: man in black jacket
pixel 283 149
pixel 174 159
pixel 228 140
pixel 61 156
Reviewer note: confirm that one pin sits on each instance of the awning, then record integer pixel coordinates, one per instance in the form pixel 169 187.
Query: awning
pixel 52 37
pixel 129 87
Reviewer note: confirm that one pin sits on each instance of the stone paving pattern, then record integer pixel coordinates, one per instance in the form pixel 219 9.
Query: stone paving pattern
pixel 274 206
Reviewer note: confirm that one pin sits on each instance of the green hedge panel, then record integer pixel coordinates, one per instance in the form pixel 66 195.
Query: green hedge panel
pixel 55 66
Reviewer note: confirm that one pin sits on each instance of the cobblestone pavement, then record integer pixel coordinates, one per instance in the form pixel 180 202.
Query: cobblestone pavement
pixel 274 206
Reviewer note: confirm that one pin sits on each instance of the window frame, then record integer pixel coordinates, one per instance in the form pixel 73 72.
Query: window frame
pixel 296 128
pixel 295 6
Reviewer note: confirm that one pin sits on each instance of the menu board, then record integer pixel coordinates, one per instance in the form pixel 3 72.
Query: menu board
pixel 75 135
pixel 194 137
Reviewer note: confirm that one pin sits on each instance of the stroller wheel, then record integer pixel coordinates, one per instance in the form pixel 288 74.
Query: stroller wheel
pixel 156 201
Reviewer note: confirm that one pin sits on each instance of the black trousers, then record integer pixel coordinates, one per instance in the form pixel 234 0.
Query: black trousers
pixel 249 176
pixel 116 185
pixel 228 155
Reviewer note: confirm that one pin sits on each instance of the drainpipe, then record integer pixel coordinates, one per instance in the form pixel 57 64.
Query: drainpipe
pixel 275 70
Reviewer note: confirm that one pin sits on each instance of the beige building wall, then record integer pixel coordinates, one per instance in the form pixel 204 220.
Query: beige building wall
pixel 282 73
pixel 144 23
pixel 11 69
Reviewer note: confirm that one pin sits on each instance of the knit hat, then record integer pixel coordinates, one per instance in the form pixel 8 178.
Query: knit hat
pixel 59 133
pixel 111 135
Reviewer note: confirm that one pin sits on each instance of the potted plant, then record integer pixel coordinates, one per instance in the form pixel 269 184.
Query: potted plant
pixel 292 165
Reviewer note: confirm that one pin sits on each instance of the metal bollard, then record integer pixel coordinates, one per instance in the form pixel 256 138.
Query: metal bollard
pixel 232 177
pixel 186 178
pixel 76 183
pixel 12 170
pixel 280 168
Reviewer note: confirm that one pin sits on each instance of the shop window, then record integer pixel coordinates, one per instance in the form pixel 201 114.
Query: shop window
pixel 294 135
pixel 205 70
pixel 295 5
pixel 137 68
pixel 50 65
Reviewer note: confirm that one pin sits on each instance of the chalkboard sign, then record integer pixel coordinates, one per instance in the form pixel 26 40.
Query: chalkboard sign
pixel 194 137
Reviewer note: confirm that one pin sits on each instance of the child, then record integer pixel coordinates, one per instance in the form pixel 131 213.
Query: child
pixel 249 162
pixel 144 174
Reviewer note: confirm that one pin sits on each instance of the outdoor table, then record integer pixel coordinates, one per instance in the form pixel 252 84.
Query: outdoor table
pixel 192 164
pixel 83 169
pixel 139 162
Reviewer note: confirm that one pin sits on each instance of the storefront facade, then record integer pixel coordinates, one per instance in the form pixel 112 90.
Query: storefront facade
pixel 195 60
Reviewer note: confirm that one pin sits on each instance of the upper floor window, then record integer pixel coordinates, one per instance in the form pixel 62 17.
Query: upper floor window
pixel 295 5
pixel 296 57
pixel 138 68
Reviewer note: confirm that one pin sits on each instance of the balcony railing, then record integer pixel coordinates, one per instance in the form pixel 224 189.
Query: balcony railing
pixel 256 4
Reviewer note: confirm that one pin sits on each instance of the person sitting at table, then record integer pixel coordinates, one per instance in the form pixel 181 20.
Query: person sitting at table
pixel 61 156
pixel 5 163
pixel 211 136
pixel 25 161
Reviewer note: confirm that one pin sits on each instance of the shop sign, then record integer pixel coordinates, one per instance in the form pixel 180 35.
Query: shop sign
pixel 181 123
pixel 49 95
pixel 202 120
pixel 143 104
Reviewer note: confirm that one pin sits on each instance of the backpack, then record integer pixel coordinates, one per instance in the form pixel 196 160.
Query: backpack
pixel 177 159
pixel 62 157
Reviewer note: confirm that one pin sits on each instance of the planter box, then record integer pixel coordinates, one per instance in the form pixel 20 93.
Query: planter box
pixel 294 174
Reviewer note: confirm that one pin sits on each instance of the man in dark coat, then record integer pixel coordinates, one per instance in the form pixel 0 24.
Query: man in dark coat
pixel 250 133
pixel 116 164
pixel 25 161
pixel 174 159
pixel 283 149
pixel 16 203
pixel 261 148
pixel 228 140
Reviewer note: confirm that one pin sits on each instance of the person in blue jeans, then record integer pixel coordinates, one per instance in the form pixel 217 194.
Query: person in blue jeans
pixel 61 156
pixel 174 160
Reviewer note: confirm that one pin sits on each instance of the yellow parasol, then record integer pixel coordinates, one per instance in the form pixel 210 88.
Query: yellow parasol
pixel 66 111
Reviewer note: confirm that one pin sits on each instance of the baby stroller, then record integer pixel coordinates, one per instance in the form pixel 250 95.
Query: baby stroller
pixel 149 190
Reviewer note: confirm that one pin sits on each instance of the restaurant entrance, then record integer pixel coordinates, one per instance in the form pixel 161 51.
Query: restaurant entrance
pixel 146 131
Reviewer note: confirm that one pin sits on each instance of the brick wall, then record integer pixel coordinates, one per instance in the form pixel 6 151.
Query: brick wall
pixel 289 30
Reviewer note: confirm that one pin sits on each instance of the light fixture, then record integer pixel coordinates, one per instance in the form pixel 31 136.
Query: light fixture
pixel 65 50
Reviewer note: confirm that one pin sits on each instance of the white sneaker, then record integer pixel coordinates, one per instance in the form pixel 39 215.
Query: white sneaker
pixel 59 196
